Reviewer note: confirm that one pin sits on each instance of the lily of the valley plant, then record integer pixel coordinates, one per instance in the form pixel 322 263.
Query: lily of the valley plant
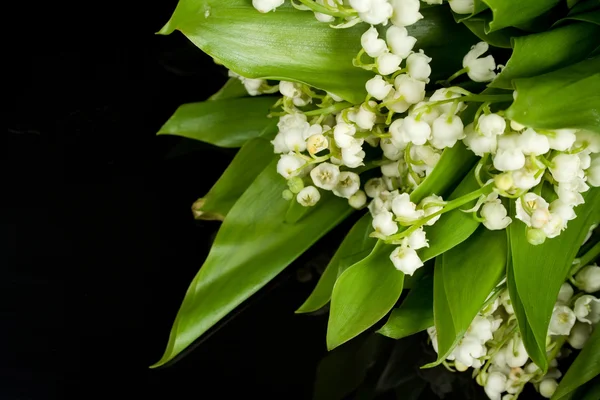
pixel 465 134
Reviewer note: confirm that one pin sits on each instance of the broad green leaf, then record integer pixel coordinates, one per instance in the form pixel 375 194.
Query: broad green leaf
pixel 232 89
pixel 585 367
pixel 546 266
pixel 415 314
pixel 362 295
pixel 536 351
pixel 249 161
pixel 224 123
pixel 544 52
pixel 464 277
pixel 292 45
pixel 454 163
pixel 500 38
pixel 566 98
pixel 358 302
pixel 252 246
pixel 356 245
pixel 516 12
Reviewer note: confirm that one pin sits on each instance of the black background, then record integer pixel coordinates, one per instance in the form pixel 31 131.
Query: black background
pixel 98 241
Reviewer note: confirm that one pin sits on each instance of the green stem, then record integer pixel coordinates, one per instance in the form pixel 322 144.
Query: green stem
pixel 454 76
pixel 557 346
pixel 328 110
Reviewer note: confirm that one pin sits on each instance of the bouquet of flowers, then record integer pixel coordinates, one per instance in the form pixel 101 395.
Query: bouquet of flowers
pixel 465 133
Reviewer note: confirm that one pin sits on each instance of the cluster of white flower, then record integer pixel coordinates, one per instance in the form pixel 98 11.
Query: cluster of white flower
pixel 493 347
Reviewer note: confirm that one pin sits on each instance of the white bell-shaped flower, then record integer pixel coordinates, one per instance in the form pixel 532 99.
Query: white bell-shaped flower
pixel 308 196
pixel 388 63
pixel 417 240
pixel 417 132
pixel 568 192
pixel 588 278
pixel 378 87
pixel 562 210
pixel 406 259
pixel 495 384
pixel 343 134
pixel 289 89
pixel 565 167
pixel 399 42
pixel 515 353
pixel 562 139
pixel 462 6
pixel 384 223
pixel 481 329
pixel 353 156
pixel 348 184
pixel 491 125
pixel 446 131
pixel 391 170
pixel 399 136
pixel 406 12
pixel 410 89
pixel 509 156
pixel 427 155
pixel 396 102
pixel 548 387
pixel 447 94
pixel 565 293
pixel 374 187
pixel 316 143
pixel 371 43
pixel 468 349
pixel 358 200
pixel 279 145
pixel 425 112
pixel 365 118
pixel 593 172
pixel 532 209
pixel 430 205
pixel 390 150
pixel 525 179
pixel 418 66
pixel 495 215
pixel 294 140
pixel 561 321
pixel 290 165
pixel 531 142
pixel 325 175
pixel 479 69
pixel 584 159
pixel 478 143
pixel 580 333
pixel 405 209
pixel 587 309
pixel 360 5
pixel 324 17
pixel 264 6
pixel 378 13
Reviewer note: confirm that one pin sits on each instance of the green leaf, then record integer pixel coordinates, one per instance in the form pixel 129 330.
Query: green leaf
pixel 292 45
pixel 464 278
pixel 415 314
pixel 566 98
pixel 500 38
pixel 546 266
pixel 362 295
pixel 252 246
pixel 368 290
pixel 224 123
pixel 356 245
pixel 232 89
pixel 516 12
pixel 249 161
pixel 585 367
pixel 544 52
pixel 454 163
